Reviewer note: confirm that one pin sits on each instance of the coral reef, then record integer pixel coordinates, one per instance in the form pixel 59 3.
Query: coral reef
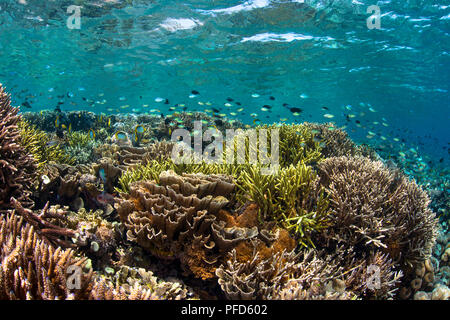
pixel 377 208
pixel 17 167
pixel 39 144
pixel 141 226
pixel 31 268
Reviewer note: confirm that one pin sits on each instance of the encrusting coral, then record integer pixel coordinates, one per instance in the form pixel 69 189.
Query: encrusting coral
pixel 17 167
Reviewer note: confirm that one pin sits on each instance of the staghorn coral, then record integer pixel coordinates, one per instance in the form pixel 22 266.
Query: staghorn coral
pixel 292 196
pixel 373 207
pixel 256 278
pixel 336 143
pixel 31 268
pixel 17 167
pixel 296 144
pixel 40 145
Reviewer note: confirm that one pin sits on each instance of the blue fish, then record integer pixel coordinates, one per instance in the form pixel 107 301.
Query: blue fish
pixel 102 174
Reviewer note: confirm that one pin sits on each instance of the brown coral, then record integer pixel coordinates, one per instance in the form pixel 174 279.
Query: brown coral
pixel 16 165
pixel 182 219
pixel 31 268
pixel 374 207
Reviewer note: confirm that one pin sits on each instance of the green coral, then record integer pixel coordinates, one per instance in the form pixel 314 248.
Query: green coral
pixel 290 196
pixel 81 147
pixel 38 143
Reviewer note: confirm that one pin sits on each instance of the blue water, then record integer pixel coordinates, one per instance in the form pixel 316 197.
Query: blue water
pixel 319 56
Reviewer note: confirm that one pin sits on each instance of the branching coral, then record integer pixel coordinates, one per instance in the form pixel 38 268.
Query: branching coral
pixel 373 207
pixel 292 196
pixel 335 142
pixel 31 268
pixel 256 278
pixel 38 143
pixel 17 167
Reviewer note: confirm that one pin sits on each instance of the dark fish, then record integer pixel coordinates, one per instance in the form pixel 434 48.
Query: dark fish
pixel 272 98
pixel 84 98
pixel 357 121
pixel 238 103
pixel 325 108
pixel 215 110
pixel 26 104
pixel 285 105
pixel 140 97
pixel 184 108
pixel 230 99
pixel 296 110
pixel 441 160
pixel 195 92
pixel 60 102
pixel 57 108
pixel 267 106
pixel 218 122
pixel 166 101
pixel 61 96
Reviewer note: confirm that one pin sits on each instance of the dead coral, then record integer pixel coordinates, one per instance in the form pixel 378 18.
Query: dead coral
pixel 17 167
pixel 373 207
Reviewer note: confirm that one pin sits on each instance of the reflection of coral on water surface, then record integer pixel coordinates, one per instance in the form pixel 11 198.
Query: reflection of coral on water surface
pixel 101 193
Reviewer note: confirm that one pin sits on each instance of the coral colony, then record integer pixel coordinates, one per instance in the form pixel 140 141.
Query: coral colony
pixel 104 207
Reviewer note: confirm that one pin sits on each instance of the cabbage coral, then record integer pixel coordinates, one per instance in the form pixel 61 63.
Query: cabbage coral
pixel 16 165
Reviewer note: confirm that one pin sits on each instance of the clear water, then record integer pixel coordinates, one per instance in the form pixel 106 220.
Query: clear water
pixel 309 55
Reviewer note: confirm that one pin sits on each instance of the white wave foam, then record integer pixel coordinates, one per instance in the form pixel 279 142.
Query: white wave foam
pixel 173 25
pixel 247 6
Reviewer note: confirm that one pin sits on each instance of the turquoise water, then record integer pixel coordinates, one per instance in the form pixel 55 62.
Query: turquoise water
pixel 318 56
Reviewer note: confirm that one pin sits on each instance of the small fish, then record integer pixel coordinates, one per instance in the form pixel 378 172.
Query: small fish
pixel 304 96
pixel 328 115
pixel 372 109
pixel 26 104
pixel 102 174
pixel 105 198
pixel 57 122
pixel 139 129
pixel 158 99
pixel 228 105
pixel 255 95
pixel 296 110
pixel 70 128
pixel 91 134
pixel 120 135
